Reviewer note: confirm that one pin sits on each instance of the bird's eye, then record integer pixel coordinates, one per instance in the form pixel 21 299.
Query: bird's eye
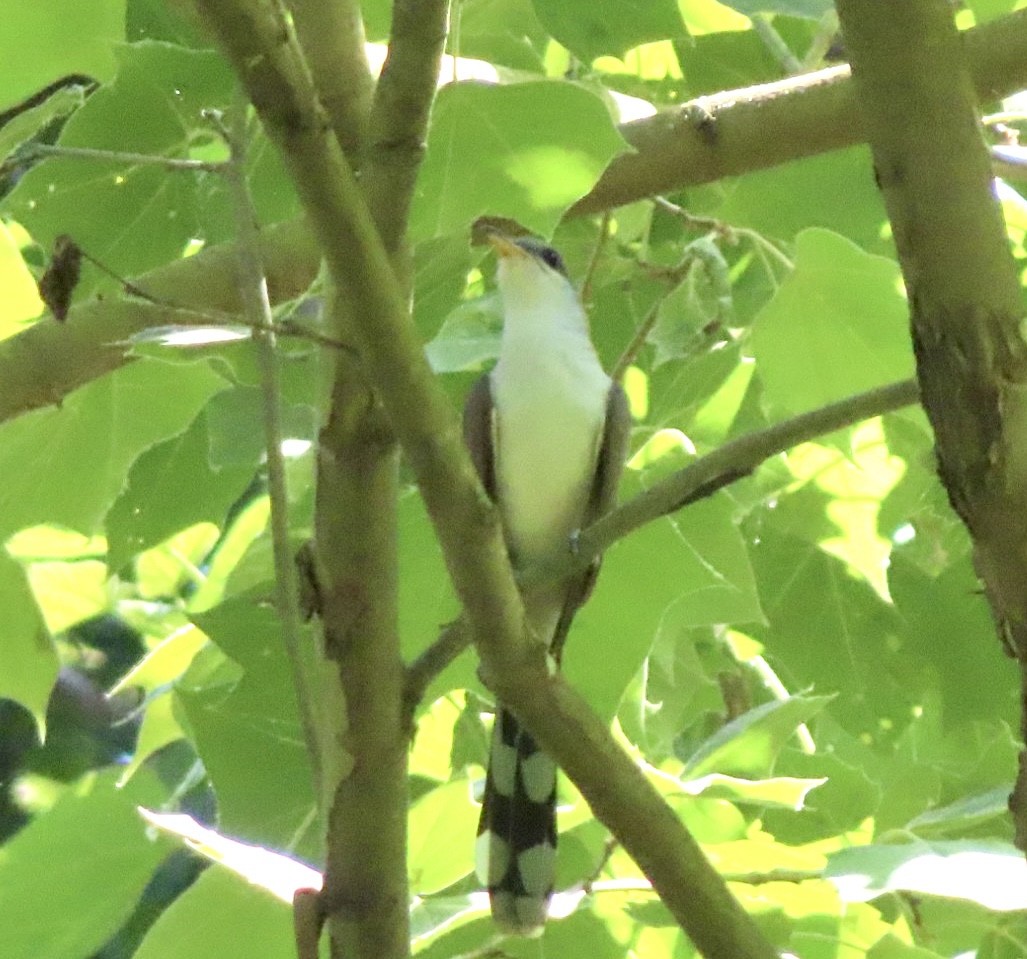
pixel 553 259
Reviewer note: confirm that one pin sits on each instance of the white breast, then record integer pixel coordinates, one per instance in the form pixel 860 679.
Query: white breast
pixel 550 401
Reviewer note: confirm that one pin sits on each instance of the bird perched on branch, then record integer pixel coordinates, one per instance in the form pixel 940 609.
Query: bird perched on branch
pixel 548 433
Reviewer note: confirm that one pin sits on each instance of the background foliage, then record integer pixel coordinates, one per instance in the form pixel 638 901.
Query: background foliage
pixel 802 661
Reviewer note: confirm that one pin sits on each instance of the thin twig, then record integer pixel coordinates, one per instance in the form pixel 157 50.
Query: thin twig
pixel 133 159
pixel 450 643
pixel 253 284
pixel 593 263
pixel 775 43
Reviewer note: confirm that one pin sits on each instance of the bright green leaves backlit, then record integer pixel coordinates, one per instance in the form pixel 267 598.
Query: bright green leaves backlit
pixel 836 327
pixel 525 151
pixel 43 41
pixel 591 28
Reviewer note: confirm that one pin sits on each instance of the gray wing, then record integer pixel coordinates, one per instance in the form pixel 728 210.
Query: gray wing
pixel 478 433
pixel 613 453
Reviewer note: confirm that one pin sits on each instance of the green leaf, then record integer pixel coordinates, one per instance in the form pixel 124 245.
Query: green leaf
pixel 837 326
pixel 26 649
pixel 72 877
pixel 221 915
pixel 891 947
pixel 835 191
pixel 68 593
pixel 525 151
pixel 748 746
pixel 442 827
pixel 591 28
pixel 149 214
pixel 990 873
pixel 43 41
pixel 964 814
pixel 27 124
pixel 171 486
pixel 21 301
pixel 832 631
pixel 65 465
pixel 249 736
pixel 782 791
pixel 669 574
pixel 809 9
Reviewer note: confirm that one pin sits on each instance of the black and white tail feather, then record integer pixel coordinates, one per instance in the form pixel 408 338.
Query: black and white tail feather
pixel 548 434
pixel 516 851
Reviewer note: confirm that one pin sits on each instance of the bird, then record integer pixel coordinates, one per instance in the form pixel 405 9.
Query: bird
pixel 548 432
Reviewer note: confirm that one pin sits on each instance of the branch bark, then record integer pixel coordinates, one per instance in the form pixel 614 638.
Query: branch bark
pixel 921 114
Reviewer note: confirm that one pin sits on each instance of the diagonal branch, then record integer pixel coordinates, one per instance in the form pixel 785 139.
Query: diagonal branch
pixel 331 33
pixel 399 115
pixel 725 465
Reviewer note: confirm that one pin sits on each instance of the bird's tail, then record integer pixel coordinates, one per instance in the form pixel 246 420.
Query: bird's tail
pixel 516 851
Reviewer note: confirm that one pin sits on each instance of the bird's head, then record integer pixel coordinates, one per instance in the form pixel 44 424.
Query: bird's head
pixel 530 272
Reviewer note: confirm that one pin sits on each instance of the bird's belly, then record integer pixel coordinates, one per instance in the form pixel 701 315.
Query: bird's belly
pixel 547 448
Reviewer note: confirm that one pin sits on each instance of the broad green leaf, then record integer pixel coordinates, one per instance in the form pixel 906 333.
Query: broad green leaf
pixel 840 806
pixel 249 737
pixel 832 631
pixel 54 38
pixel 442 827
pixel 426 600
pixel 29 658
pixel 987 872
pixel 27 124
pixel 748 745
pixel 525 151
pixel 964 814
pixel 503 32
pixel 837 326
pixel 221 915
pixel 65 465
pixel 154 676
pixel 670 574
pixel 809 9
pixel 171 486
pixel 835 191
pixel 149 214
pixel 73 876
pixel 68 593
pixel 781 791
pixel 591 28
pixel 891 947
pixel 974 678
pixel 21 300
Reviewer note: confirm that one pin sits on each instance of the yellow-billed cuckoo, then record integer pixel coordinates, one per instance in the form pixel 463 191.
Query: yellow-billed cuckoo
pixel 548 433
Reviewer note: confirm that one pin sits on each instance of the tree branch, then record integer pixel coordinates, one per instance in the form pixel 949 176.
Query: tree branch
pixel 331 34
pixel 46 362
pixel 740 131
pixel 934 169
pixel 725 465
pixel 399 116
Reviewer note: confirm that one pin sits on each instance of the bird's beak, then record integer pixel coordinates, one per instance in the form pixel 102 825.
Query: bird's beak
pixel 505 247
